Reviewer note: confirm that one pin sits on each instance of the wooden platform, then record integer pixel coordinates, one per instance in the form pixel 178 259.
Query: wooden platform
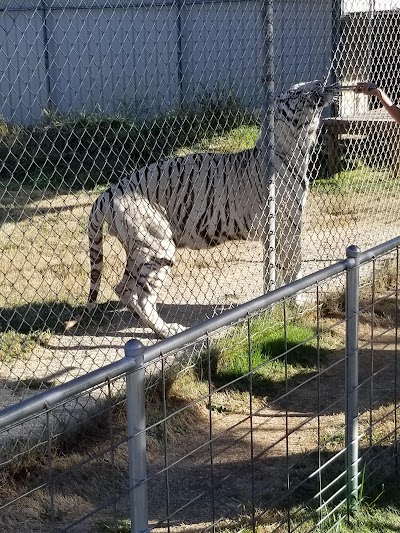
pixel 355 127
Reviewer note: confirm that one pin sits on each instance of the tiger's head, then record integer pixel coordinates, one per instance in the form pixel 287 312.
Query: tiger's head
pixel 297 117
pixel 303 103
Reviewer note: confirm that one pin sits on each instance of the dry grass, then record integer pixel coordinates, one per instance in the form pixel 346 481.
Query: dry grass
pixel 89 464
pixel 50 246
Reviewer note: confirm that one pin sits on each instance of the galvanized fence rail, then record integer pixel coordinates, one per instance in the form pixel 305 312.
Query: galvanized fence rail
pixel 224 450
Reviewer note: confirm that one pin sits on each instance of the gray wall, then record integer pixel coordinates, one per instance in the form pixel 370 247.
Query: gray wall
pixel 93 56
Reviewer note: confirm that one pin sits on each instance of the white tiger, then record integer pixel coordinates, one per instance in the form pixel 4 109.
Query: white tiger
pixel 202 200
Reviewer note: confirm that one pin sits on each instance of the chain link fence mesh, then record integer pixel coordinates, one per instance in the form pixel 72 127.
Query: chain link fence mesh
pixel 268 400
pixel 91 91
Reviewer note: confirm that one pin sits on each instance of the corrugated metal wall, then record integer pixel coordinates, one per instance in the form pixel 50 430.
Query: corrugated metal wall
pixel 303 41
pixel 147 56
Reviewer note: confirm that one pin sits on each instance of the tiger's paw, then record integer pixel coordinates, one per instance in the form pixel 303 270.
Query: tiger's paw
pixel 169 330
pixel 176 328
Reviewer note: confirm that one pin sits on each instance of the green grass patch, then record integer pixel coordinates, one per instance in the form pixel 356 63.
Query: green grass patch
pixel 269 346
pixel 273 354
pixel 23 329
pixel 237 139
pixel 377 512
pixel 362 179
pixel 16 345
pixel 122 526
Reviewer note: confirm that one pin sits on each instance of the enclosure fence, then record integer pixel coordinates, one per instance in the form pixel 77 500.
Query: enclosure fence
pixel 92 90
pixel 286 419
pixel 251 417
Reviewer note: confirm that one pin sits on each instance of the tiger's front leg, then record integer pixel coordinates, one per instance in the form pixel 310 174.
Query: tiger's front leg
pixel 289 220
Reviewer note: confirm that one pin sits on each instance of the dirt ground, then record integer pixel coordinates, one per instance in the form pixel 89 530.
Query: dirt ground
pixel 203 283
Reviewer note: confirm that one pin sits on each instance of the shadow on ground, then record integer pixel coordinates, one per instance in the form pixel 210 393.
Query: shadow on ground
pixel 109 317
pixel 203 483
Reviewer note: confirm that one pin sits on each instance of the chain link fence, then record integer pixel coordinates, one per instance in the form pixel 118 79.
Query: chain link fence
pixel 281 424
pixel 91 91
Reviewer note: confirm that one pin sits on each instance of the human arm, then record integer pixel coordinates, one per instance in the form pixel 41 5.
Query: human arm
pixel 370 89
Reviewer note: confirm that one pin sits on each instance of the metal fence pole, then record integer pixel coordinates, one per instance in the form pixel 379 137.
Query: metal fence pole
pixel 268 145
pixel 137 439
pixel 352 318
pixel 46 55
pixel 179 50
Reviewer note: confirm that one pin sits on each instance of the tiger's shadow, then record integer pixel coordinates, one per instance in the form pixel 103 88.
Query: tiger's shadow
pixel 109 318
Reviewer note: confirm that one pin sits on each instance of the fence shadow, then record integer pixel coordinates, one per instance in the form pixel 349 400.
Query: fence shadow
pixel 311 391
pixel 108 318
pixel 19 214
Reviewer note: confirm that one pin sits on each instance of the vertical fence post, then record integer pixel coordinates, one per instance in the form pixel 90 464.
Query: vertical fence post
pixel 352 318
pixel 179 49
pixel 268 145
pixel 135 403
pixel 46 55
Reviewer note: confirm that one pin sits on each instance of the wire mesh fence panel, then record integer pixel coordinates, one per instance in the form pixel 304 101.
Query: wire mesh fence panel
pixel 379 371
pixel 362 149
pixel 249 435
pixel 104 105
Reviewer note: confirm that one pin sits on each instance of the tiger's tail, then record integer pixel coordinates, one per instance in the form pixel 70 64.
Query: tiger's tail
pixel 95 235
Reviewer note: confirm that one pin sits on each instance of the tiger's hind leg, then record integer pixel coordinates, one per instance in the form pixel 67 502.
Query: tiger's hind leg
pixel 139 289
pixel 288 235
pixel 150 251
